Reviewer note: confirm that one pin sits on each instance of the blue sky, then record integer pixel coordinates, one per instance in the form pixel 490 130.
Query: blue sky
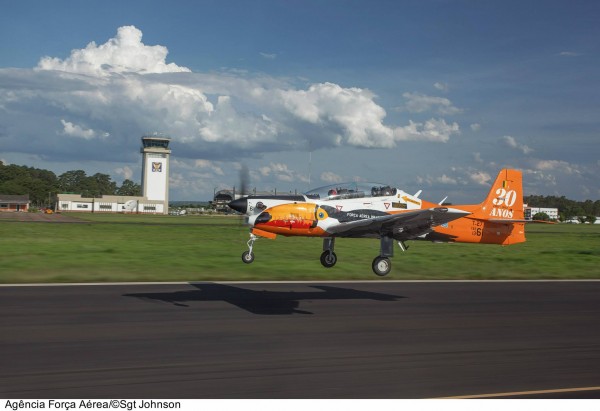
pixel 432 95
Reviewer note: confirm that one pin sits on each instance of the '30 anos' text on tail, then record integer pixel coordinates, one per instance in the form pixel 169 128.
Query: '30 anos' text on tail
pixel 499 219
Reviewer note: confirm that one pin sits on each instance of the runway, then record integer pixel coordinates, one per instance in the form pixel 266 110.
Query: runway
pixel 301 340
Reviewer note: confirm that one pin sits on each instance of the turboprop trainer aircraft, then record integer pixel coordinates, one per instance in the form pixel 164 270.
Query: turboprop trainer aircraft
pixel 364 210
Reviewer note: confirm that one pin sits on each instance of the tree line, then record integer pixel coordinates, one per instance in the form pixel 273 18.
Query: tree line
pixel 43 185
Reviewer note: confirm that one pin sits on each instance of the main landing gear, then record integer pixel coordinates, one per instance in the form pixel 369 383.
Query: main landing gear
pixel 381 264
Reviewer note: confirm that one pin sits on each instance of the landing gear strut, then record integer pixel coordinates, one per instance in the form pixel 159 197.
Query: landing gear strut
pixel 382 264
pixel 328 257
pixel 248 256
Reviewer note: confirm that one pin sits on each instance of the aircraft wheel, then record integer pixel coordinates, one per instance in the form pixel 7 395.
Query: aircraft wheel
pixel 328 259
pixel 382 266
pixel 247 257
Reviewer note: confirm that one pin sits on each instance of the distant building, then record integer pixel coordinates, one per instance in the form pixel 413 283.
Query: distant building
pixel 155 186
pixel 14 202
pixel 109 204
pixel 529 212
pixel 221 199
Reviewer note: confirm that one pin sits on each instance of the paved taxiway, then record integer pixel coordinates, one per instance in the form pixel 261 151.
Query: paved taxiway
pixel 299 340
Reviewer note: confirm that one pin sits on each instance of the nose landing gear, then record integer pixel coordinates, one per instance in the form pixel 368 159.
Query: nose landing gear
pixel 248 256
pixel 328 257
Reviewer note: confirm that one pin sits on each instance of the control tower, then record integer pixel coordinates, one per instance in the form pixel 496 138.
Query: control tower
pixel 155 169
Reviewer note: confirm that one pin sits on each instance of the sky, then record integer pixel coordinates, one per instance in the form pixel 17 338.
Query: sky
pixel 429 95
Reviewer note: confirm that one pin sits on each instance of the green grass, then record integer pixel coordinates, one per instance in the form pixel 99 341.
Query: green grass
pixel 115 247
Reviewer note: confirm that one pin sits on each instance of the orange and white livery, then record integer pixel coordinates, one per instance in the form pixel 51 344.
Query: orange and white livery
pixel 367 210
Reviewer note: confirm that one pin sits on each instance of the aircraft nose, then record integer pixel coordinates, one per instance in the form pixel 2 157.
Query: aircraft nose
pixel 239 205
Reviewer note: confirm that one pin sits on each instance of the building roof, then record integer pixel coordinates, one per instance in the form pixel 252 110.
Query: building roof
pixel 14 199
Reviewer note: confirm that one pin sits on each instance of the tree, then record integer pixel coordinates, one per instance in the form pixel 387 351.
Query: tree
pixel 76 181
pixel 541 217
pixel 19 180
pixel 71 181
pixel 129 188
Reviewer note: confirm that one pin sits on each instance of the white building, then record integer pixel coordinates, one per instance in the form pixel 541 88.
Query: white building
pixel 531 211
pixel 155 186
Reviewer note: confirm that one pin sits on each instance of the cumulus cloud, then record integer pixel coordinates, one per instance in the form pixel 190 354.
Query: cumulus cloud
pixel 419 103
pixel 351 111
pixel 123 53
pixel 210 165
pixel 556 165
pixel 432 130
pixel 480 177
pixel 512 143
pixel 443 180
pixel 75 130
pixel 116 91
pixel 281 172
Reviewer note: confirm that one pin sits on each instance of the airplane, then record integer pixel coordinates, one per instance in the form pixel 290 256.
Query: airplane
pixel 367 210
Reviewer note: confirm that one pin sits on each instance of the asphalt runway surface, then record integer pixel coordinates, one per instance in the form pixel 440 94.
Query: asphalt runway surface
pixel 301 340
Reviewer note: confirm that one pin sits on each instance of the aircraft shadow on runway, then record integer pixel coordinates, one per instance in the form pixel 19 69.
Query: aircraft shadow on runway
pixel 262 302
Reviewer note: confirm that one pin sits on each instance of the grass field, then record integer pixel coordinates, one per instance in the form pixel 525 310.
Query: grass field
pixel 116 247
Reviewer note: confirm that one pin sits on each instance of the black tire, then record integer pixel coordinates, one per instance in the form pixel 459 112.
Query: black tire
pixel 381 266
pixel 328 259
pixel 247 257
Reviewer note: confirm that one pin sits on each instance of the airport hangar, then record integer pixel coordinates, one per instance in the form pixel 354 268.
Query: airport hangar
pixel 155 186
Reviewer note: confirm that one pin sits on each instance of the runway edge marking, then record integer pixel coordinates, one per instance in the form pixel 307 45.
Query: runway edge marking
pixel 522 393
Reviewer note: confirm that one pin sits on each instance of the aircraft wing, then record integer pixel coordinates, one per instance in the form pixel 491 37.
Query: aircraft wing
pixel 406 225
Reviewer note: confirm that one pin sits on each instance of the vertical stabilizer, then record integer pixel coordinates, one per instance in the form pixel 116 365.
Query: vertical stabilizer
pixel 505 199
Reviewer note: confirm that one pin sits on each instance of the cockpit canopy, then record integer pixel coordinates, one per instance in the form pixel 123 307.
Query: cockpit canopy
pixel 350 190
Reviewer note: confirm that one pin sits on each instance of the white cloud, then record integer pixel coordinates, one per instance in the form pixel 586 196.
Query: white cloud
pixel 569 54
pixel 125 171
pixel 441 86
pixel 433 130
pixel 268 56
pixel 74 130
pixel 556 165
pixel 480 177
pixel 117 91
pixel 123 53
pixel 330 177
pixel 351 112
pixel 444 179
pixel 475 127
pixel 281 172
pixel 419 103
pixel 211 165
pixel 512 143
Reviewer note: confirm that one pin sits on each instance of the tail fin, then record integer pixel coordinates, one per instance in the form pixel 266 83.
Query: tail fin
pixel 505 199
